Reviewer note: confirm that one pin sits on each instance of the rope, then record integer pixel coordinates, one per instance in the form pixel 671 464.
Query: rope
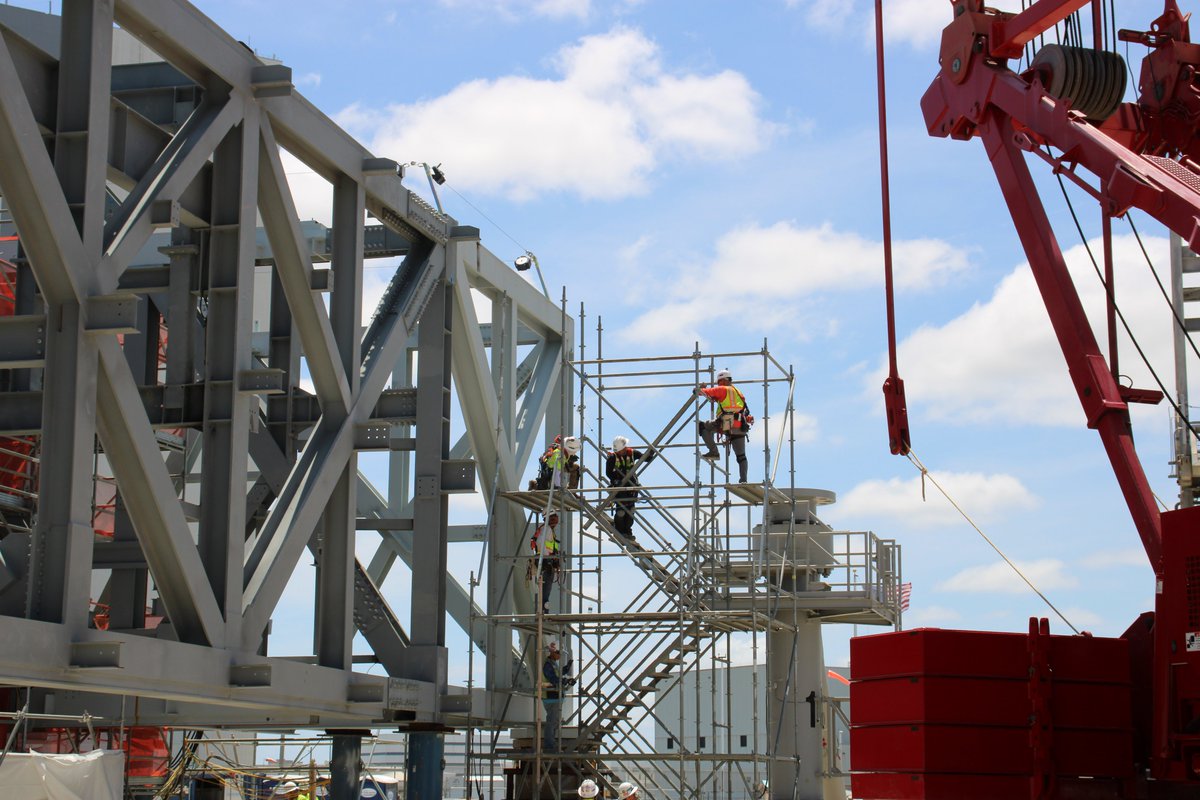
pixel 1162 289
pixel 925 474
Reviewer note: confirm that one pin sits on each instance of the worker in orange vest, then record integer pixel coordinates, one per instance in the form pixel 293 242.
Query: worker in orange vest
pixel 733 420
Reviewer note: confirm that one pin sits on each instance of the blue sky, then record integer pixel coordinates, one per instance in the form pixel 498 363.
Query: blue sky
pixel 709 171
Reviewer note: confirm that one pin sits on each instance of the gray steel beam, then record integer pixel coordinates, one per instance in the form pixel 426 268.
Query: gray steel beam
pixel 183 407
pixel 31 190
pixel 62 537
pixel 314 475
pixel 22 341
pixel 171 173
pixel 537 398
pixel 230 293
pixel 491 276
pixel 430 503
pixel 293 264
pixel 180 317
pixel 345 767
pixel 127 590
pixel 81 140
pixel 398 543
pixel 497 471
pixel 336 560
pixel 150 496
pixel 42 654
pixel 504 364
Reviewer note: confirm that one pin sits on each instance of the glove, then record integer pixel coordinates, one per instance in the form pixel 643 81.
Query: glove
pixel 569 682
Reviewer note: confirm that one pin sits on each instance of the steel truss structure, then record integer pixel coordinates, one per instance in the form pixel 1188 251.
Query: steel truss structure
pixel 215 469
pixel 717 569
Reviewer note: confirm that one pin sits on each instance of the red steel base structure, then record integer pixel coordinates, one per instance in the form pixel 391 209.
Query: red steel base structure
pixel 949 715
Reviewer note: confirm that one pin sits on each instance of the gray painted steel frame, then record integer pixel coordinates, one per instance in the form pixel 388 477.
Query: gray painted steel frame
pixel 277 474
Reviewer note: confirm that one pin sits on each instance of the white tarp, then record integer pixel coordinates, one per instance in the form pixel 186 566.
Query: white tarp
pixel 97 775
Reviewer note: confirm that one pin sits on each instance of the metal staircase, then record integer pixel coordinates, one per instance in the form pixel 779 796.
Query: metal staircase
pixel 663 668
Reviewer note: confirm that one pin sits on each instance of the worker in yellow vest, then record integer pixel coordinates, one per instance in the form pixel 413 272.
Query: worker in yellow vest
pixel 733 420
pixel 545 563
pixel 559 465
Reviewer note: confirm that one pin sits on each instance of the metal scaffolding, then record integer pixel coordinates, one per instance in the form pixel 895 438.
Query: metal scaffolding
pixel 719 572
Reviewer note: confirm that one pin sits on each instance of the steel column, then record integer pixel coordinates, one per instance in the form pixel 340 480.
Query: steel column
pixel 345 767
pixel 230 293
pixel 423 773
pixel 335 561
pixel 62 540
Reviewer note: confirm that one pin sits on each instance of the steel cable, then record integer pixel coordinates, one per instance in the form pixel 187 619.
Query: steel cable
pixel 926 474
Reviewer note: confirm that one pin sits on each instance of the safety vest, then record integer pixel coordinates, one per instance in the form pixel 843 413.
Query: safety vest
pixel 624 460
pixel 733 401
pixel 551 546
pixel 555 458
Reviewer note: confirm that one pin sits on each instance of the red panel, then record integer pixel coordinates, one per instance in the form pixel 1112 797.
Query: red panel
pixel 986 701
pixel 964 703
pixel 940 748
pixel 893 786
pixel 918 699
pixel 903 786
pixel 932 651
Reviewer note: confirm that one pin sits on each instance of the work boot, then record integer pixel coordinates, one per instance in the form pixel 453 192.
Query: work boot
pixel 711 455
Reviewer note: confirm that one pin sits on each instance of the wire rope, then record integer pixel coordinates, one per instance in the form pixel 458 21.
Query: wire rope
pixel 1120 315
pixel 926 474
pixel 1149 263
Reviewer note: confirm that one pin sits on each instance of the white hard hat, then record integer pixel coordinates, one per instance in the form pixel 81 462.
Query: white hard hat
pixel 620 443
pixel 284 788
pixel 625 790
pixel 588 788
pixel 571 444
pixel 722 374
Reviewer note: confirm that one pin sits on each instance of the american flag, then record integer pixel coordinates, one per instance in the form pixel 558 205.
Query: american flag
pixel 905 595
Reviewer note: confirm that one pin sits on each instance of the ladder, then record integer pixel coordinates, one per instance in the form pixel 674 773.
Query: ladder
pixel 1185 301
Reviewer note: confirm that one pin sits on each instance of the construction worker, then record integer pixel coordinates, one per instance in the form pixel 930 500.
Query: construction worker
pixel 545 562
pixel 559 465
pixel 627 791
pixel 588 789
pixel 620 471
pixel 732 421
pixel 288 791
pixel 557 680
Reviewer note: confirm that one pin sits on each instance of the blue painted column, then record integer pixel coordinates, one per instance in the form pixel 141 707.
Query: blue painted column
pixel 426 760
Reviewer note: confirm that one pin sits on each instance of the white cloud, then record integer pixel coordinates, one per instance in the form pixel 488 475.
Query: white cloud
pixel 1047 574
pixel 513 9
pixel 1081 618
pixel 807 428
pixel 984 497
pixel 1000 360
pixel 1106 559
pixel 631 253
pixel 309 79
pixel 757 267
pixel 930 616
pixel 918 23
pixel 600 129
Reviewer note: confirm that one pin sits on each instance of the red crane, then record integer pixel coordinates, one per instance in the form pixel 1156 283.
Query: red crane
pixel 1066 110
